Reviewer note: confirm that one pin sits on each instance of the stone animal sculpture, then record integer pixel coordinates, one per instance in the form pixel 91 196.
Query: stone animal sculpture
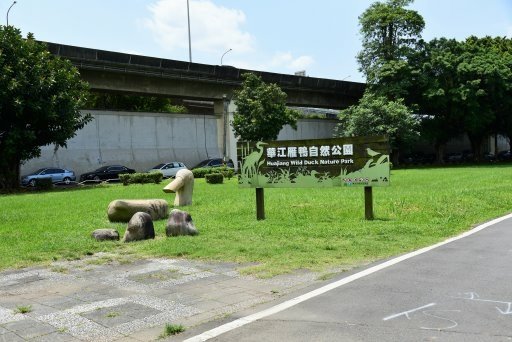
pixel 180 223
pixel 123 210
pixel 183 186
pixel 140 227
pixel 105 234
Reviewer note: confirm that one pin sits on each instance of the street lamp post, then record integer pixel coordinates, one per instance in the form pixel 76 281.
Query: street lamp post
pixel 189 39
pixel 7 16
pixel 223 55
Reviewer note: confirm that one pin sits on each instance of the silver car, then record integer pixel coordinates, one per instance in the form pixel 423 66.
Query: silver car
pixel 56 174
pixel 168 169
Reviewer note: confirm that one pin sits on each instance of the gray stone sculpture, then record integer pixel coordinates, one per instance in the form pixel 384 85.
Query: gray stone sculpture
pixel 140 227
pixel 123 210
pixel 183 186
pixel 180 223
pixel 105 234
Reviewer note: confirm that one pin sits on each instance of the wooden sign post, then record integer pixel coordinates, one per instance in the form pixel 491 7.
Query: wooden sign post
pixel 260 204
pixel 368 203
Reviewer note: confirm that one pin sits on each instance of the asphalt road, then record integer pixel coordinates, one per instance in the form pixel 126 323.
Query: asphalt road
pixel 461 291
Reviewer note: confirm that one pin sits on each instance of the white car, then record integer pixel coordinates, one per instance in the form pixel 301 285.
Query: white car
pixel 168 169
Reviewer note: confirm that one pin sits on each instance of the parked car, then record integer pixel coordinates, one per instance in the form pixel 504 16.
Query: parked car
pixel 168 169
pixel 468 156
pixel 504 155
pixel 454 158
pixel 489 157
pixel 419 158
pixel 56 174
pixel 214 162
pixel 106 172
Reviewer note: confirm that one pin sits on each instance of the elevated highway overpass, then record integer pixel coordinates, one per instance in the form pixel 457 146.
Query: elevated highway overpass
pixel 127 73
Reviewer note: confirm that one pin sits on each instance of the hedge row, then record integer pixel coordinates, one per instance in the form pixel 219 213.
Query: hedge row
pixel 141 178
pixel 214 178
pixel 227 172
pixel 43 183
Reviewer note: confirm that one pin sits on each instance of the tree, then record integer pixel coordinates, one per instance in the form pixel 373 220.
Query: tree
pixel 138 103
pixel 390 35
pixel 467 89
pixel 376 115
pixel 488 65
pixel 440 102
pixel 261 110
pixel 503 123
pixel 40 100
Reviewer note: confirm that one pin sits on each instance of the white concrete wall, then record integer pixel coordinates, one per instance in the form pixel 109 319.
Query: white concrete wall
pixel 309 129
pixel 142 140
pixel 136 140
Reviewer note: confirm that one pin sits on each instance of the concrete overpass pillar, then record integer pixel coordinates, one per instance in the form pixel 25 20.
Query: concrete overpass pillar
pixel 224 109
pixel 232 140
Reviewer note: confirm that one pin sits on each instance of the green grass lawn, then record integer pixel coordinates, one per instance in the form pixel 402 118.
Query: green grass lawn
pixel 305 228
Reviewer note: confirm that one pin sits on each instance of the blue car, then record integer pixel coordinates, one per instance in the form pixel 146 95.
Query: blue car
pixel 56 174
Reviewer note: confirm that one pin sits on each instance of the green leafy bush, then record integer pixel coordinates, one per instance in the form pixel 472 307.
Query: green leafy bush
pixel 125 178
pixel 201 172
pixel 44 183
pixel 227 172
pixel 141 178
pixel 214 178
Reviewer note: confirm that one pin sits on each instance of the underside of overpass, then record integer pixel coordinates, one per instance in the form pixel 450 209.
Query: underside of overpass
pixel 108 71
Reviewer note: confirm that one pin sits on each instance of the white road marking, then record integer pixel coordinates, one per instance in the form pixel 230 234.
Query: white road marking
pixel 406 313
pixel 297 300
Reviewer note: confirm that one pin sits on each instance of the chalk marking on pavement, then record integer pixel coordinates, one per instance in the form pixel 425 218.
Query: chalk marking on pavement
pixel 297 300
pixel 475 297
pixel 406 313
pixel 443 318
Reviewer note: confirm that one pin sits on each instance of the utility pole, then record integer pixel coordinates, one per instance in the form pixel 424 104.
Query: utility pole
pixel 189 39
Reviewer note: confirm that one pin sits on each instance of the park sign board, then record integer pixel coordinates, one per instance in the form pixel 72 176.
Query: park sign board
pixel 351 161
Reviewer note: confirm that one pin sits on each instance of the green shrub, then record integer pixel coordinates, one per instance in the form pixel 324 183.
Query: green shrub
pixel 44 183
pixel 141 178
pixel 214 178
pixel 201 172
pixel 225 171
pixel 125 178
pixel 157 177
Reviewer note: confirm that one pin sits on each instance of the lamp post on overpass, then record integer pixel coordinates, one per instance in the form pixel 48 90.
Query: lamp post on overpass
pixel 223 55
pixel 189 39
pixel 7 15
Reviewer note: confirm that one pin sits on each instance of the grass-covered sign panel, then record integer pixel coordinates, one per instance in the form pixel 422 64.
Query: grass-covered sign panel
pixel 355 161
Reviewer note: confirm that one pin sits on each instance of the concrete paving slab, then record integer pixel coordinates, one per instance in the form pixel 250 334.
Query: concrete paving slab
pixel 55 337
pixel 3 331
pixel 59 302
pixel 11 337
pixel 103 299
pixel 29 328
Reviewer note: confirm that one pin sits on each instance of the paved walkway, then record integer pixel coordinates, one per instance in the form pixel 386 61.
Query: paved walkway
pixel 110 298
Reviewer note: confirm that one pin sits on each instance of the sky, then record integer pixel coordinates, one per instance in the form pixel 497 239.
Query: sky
pixel 320 37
